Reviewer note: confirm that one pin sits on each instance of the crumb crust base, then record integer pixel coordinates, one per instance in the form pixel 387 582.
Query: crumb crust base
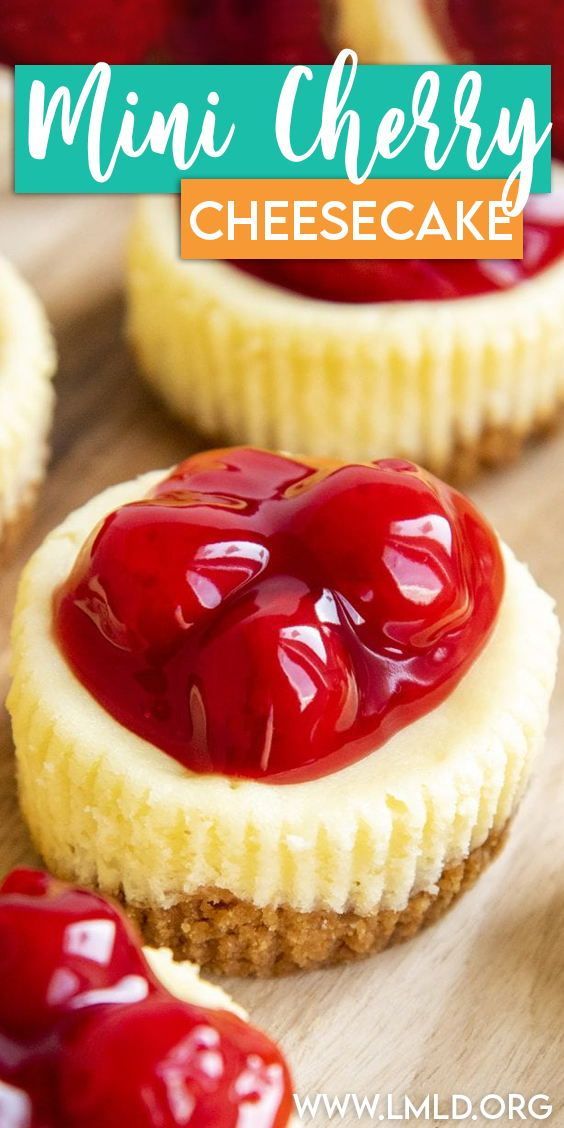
pixel 228 936
pixel 497 447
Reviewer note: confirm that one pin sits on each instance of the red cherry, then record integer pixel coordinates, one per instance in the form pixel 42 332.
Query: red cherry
pixel 262 617
pixel 64 31
pixel 138 588
pixel 409 579
pixel 165 1063
pixel 292 686
pixel 88 954
pixel 140 591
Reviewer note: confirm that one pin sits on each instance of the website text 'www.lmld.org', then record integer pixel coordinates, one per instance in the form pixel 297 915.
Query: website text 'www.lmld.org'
pixel 386 1108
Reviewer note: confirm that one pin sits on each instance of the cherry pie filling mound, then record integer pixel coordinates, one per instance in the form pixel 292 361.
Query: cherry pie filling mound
pixel 264 617
pixel 90 1038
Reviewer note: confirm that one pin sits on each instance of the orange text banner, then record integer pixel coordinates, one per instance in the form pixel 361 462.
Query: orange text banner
pixel 317 219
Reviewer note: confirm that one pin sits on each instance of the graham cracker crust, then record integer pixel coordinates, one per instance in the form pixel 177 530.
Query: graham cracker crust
pixel 495 447
pixel 228 936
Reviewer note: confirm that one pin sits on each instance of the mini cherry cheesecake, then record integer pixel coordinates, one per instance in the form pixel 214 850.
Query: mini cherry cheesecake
pixel 27 363
pixel 94 1031
pixel 451 363
pixel 283 708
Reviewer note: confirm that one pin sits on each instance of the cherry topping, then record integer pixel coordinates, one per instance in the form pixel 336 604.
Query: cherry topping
pixel 99 1041
pixel 266 617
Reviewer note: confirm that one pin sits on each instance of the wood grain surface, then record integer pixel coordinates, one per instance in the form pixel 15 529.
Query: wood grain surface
pixel 476 1004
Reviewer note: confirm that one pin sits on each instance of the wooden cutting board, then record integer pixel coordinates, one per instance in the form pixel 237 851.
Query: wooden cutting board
pixel 476 1004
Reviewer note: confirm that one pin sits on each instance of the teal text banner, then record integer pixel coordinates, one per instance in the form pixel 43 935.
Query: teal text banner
pixel 243 102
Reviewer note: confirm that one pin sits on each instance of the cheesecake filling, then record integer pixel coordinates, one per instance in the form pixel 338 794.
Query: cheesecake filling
pixel 263 617
pixel 90 1036
pixel 262 32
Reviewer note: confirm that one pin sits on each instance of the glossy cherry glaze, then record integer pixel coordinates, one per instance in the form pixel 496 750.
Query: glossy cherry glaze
pixel 89 1037
pixel 264 617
